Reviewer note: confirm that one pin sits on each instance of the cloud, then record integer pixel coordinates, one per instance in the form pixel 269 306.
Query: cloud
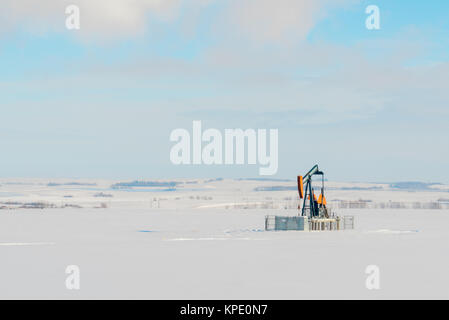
pixel 274 21
pixel 280 21
pixel 324 82
pixel 111 19
pixel 314 84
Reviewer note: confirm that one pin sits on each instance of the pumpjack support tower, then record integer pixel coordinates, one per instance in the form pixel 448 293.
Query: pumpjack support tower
pixel 312 207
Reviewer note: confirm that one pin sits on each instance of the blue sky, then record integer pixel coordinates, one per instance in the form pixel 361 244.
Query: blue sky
pixel 367 105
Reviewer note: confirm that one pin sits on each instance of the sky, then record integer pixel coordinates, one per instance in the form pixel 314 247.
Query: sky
pixel 101 101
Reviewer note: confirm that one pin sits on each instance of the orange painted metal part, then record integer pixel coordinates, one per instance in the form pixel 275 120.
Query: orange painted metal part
pixel 322 200
pixel 300 187
pixel 314 197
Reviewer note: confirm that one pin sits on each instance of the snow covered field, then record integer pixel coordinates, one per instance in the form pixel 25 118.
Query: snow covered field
pixel 193 243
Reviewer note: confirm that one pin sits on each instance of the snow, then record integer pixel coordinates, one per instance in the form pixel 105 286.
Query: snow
pixel 134 249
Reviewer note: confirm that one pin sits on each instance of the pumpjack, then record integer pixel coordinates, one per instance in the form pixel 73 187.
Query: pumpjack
pixel 312 207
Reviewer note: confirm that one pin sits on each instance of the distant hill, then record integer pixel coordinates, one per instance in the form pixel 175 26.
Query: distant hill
pixel 275 188
pixel 412 185
pixel 145 184
pixel 53 184
pixel 264 179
